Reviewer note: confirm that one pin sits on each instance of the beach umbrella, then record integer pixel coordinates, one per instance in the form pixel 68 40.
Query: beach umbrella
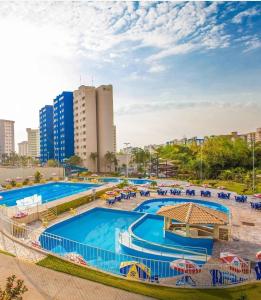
pixel 236 263
pixel 134 270
pixel 185 266
pixel 8 180
pixel 18 178
pixel 94 175
pixel 257 196
pixel 258 255
pixel 54 174
pixel 30 176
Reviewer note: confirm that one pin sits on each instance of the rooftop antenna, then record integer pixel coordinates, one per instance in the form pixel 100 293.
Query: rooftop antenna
pixel 92 80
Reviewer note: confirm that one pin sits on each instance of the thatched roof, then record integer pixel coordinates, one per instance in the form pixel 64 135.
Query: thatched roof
pixel 193 213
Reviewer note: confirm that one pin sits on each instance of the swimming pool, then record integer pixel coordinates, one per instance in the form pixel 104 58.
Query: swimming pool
pixel 153 205
pixel 97 236
pixel 135 181
pixel 49 192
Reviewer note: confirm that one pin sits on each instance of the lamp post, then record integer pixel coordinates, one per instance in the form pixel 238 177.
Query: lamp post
pixel 127 156
pixel 253 164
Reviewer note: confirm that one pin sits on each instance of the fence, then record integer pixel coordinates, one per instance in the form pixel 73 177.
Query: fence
pixel 206 275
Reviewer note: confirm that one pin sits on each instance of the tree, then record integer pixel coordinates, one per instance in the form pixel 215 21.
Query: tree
pixel 74 160
pixel 110 159
pixel 37 176
pixel 93 157
pixel 14 289
pixel 52 163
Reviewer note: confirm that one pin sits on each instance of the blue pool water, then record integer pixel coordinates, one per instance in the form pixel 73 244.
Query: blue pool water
pixel 97 227
pixel 48 191
pixel 135 181
pixel 153 205
pixel 150 229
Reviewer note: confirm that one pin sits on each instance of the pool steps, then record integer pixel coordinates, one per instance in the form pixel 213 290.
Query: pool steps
pixel 126 241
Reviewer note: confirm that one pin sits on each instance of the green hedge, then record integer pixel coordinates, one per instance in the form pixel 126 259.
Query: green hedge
pixel 61 208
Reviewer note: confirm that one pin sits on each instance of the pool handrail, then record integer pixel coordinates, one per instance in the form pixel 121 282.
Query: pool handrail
pixel 169 247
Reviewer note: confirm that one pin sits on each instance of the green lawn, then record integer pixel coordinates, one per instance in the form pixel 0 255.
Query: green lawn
pixel 6 253
pixel 233 186
pixel 248 292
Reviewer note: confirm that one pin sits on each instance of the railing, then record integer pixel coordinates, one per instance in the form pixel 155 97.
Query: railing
pixel 209 275
pixel 165 251
pixel 199 253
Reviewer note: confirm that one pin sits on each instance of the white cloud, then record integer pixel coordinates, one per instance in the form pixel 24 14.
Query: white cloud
pixel 157 68
pixel 252 44
pixel 246 13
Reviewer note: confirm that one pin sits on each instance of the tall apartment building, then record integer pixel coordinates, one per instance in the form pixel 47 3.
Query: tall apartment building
pixel 46 133
pixel 85 125
pixel 94 130
pixel 23 148
pixel 7 143
pixel 105 124
pixel 63 126
pixel 33 139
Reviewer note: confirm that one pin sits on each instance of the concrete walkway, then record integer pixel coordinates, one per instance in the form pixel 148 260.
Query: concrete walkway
pixel 46 284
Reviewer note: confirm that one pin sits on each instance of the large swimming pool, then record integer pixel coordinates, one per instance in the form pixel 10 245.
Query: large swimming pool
pixel 48 191
pixel 97 236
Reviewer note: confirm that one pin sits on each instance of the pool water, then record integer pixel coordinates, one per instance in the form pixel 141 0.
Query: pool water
pixel 153 205
pixel 135 181
pixel 97 227
pixel 49 192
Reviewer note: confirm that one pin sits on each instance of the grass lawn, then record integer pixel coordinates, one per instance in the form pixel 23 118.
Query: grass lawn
pixel 248 292
pixel 6 253
pixel 233 186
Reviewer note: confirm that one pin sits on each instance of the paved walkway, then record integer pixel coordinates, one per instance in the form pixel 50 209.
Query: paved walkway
pixel 45 284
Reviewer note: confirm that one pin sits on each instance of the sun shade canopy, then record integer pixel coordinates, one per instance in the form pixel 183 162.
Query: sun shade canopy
pixel 192 213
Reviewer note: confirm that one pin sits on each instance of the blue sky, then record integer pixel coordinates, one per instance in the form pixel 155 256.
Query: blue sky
pixel 178 68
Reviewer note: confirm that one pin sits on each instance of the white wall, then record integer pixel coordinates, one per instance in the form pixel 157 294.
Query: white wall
pixel 25 172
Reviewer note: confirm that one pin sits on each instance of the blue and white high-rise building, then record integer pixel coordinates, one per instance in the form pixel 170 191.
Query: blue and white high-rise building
pixel 46 133
pixel 63 126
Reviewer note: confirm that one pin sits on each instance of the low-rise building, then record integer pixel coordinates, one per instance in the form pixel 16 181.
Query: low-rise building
pixel 23 148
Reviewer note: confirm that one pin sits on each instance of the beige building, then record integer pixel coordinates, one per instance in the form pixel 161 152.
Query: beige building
pixel 94 130
pixel 33 139
pixel 23 148
pixel 258 135
pixel 7 143
pixel 85 125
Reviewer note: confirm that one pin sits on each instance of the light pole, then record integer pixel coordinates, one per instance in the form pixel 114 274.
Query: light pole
pixel 127 156
pixel 253 161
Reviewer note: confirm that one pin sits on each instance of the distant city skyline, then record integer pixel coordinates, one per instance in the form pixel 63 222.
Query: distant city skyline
pixel 178 69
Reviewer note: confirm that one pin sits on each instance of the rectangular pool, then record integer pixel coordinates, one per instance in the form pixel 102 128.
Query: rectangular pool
pixel 49 192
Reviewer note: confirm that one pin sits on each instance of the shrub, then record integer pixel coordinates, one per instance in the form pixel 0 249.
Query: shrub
pixel 19 184
pixel 79 201
pixel 8 186
pixel 42 181
pixel 26 181
pixel 37 177
pixel 13 183
pixel 14 289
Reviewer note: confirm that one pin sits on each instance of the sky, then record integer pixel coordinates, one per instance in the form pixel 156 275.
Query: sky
pixel 178 69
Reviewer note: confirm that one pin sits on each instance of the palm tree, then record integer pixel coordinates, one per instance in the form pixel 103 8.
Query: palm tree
pixel 110 158
pixel 93 157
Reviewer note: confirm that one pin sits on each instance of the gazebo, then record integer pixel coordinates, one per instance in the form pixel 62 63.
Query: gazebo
pixel 192 220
